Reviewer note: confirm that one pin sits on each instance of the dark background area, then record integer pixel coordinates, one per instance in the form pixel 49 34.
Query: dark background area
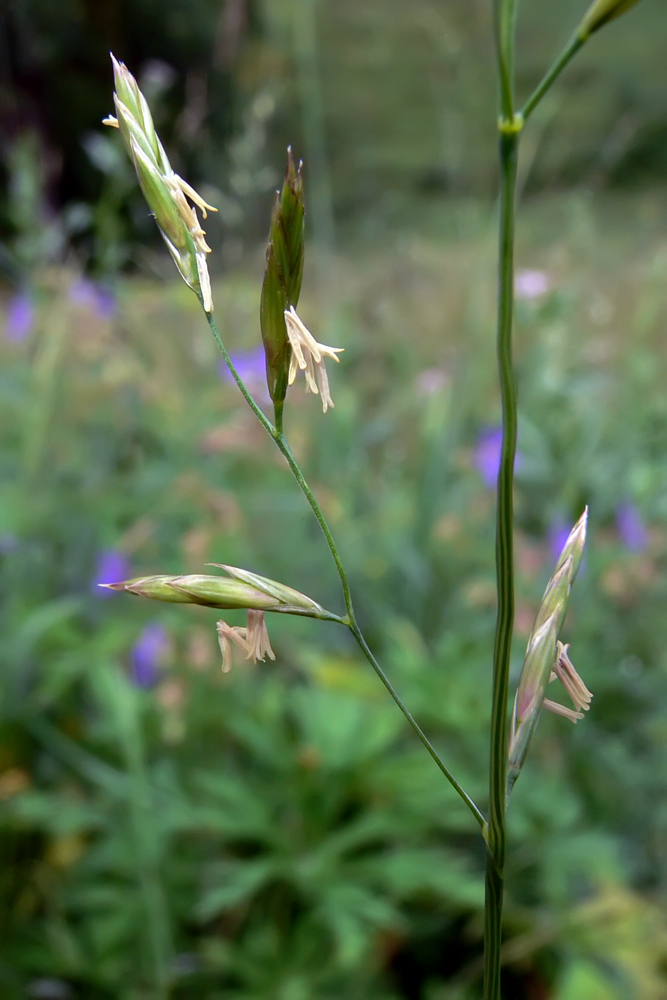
pixel 392 108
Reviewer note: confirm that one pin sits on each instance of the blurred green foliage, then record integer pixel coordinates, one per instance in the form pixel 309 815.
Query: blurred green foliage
pixel 277 833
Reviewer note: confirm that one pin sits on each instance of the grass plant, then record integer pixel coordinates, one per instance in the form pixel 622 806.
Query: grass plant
pixel 334 830
pixel 257 773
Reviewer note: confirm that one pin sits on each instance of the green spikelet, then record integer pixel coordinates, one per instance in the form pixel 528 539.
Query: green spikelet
pixel 241 590
pixel 282 278
pixel 541 650
pixel 165 192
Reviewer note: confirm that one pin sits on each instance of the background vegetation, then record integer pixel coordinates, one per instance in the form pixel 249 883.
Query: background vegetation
pixel 276 833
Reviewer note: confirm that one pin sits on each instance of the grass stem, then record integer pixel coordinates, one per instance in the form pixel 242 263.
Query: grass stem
pixel 552 75
pixel 496 839
pixel 356 632
pixel 351 621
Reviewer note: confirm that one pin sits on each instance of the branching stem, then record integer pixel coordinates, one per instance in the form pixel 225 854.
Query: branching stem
pixel 552 74
pixel 350 620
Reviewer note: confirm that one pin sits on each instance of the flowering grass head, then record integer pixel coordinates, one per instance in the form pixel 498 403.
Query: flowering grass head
pixel 169 197
pixel 546 658
pixel 239 590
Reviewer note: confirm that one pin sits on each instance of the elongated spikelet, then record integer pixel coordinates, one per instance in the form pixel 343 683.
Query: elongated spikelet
pixel 169 197
pixel 601 12
pixel 240 589
pixel 282 277
pixel 541 652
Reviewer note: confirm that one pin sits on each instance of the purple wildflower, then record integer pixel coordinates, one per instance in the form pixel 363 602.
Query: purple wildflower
pixel 147 654
pixel 49 989
pixel 20 318
pixel 487 453
pixel 631 528
pixel 430 381
pixel 95 297
pixel 112 566
pixel 251 366
pixel 8 543
pixel 531 284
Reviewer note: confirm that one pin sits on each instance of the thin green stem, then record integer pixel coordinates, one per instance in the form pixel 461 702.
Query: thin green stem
pixel 510 128
pixel 504 15
pixel 504 576
pixel 261 416
pixel 351 621
pixel 281 441
pixel 552 75
pixel 356 632
pixel 278 411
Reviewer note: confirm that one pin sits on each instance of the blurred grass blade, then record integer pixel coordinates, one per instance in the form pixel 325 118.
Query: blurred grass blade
pixel 120 703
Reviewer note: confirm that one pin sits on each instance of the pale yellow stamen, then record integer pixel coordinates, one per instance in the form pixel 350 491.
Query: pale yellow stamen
pixel 257 637
pixel 252 640
pixel 308 355
pixel 187 212
pixel 193 196
pixel 565 672
pixel 237 634
pixel 559 709
pixel 204 282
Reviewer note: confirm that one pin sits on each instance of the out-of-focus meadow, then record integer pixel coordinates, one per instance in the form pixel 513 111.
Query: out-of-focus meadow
pixel 276 833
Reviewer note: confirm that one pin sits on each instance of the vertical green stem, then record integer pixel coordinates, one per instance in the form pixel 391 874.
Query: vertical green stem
pixel 504 575
pixel 504 16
